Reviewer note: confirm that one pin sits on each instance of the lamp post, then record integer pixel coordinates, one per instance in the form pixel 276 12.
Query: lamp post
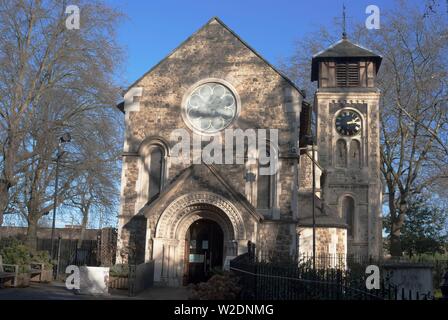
pixel 314 206
pixel 63 139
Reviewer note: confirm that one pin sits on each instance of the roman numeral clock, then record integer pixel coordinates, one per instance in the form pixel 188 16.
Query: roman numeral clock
pixel 348 123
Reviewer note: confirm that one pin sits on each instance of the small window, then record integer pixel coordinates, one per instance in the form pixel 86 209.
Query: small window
pixel 264 187
pixel 347 74
pixel 348 212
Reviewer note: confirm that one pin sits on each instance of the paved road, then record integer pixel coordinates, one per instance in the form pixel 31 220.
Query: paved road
pixel 57 291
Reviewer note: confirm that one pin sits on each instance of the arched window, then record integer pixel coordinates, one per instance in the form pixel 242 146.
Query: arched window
pixel 266 180
pixel 348 213
pixel 341 153
pixel 152 170
pixel 355 154
pixel 264 189
pixel 155 172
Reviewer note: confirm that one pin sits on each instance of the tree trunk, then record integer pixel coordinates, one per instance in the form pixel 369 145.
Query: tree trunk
pixel 395 246
pixel 395 236
pixel 31 235
pixel 4 195
pixel 85 219
pixel 7 178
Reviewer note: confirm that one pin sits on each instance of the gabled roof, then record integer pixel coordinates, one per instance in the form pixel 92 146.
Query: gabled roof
pixel 200 177
pixel 343 49
pixel 216 19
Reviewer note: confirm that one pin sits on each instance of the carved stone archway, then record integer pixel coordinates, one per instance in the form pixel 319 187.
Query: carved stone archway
pixel 172 226
pixel 184 205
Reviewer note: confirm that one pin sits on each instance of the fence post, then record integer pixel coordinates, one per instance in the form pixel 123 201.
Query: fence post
pixel 59 256
pixel 256 280
pixel 131 280
pixel 76 254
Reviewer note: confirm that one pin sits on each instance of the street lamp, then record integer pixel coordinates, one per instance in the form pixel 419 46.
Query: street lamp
pixel 65 138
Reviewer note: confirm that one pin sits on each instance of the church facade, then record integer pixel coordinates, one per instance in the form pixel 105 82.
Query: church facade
pixel 190 217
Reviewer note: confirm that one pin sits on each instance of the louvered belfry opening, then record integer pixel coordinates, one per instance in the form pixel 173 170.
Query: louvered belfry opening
pixel 347 74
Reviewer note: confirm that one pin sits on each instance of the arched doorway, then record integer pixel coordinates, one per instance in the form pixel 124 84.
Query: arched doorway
pixel 204 250
pixel 170 250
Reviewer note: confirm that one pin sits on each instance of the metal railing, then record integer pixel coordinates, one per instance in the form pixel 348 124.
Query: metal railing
pixel 282 280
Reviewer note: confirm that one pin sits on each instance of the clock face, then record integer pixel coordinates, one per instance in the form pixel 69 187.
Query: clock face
pixel 348 123
pixel 211 108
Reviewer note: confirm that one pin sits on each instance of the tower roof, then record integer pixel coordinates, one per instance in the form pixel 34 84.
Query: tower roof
pixel 343 49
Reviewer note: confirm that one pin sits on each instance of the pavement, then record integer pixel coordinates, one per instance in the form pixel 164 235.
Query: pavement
pixel 159 293
pixel 57 291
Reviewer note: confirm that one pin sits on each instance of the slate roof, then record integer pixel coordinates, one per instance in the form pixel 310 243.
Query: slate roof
pixel 325 216
pixel 343 49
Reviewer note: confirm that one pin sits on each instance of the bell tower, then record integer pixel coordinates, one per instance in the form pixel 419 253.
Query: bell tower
pixel 346 106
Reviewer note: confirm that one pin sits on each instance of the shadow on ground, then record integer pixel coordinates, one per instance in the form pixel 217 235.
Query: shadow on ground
pixel 57 291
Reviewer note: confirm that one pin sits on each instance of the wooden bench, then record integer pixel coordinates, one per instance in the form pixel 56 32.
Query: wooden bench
pixel 8 272
pixel 36 270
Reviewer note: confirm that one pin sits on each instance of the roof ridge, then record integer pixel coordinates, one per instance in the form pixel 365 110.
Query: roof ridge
pixel 330 47
pixel 345 41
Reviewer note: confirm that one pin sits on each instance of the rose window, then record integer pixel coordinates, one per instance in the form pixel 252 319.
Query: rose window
pixel 211 108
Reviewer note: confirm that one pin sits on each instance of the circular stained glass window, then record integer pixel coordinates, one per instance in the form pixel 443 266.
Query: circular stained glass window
pixel 211 108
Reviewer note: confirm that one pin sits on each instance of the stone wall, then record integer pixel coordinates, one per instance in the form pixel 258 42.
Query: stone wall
pixel 410 278
pixel 330 242
pixel 276 240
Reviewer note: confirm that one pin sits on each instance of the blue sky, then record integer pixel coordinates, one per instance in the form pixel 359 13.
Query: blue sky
pixel 154 28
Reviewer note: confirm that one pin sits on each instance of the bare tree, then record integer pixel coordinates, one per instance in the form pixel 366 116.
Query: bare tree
pixel 414 109
pixel 96 187
pixel 50 79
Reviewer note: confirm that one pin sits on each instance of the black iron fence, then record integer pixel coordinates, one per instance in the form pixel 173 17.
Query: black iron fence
pixel 338 261
pixel 67 252
pixel 355 262
pixel 96 252
pixel 275 280
pixel 70 252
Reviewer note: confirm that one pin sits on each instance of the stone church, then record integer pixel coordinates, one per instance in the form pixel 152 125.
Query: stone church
pixel 190 218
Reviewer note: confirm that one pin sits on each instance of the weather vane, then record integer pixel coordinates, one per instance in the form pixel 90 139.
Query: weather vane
pixel 344 23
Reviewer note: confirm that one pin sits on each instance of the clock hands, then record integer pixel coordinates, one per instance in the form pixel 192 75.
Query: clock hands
pixel 353 122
